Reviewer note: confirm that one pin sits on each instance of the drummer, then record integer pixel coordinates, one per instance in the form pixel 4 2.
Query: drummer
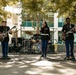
pixel 36 36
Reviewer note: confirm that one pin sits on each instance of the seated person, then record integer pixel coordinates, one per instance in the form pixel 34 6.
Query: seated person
pixel 36 37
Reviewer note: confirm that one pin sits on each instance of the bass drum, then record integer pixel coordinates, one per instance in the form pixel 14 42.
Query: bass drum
pixel 36 48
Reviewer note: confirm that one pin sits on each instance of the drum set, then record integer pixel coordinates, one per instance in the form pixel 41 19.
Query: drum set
pixel 28 46
pixel 32 45
pixel 36 46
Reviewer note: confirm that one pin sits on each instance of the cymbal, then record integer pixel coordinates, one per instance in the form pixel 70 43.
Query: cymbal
pixel 29 32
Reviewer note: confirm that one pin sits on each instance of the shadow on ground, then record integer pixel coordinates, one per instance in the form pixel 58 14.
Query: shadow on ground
pixel 33 64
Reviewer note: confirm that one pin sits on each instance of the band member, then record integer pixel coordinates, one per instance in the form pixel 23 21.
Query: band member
pixel 36 42
pixel 68 36
pixel 5 39
pixel 45 37
pixel 37 36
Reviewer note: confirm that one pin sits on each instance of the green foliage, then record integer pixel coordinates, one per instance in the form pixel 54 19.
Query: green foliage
pixel 34 7
pixel 3 4
pixel 65 8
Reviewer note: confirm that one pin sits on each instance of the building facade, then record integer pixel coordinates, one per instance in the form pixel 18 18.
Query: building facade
pixel 27 28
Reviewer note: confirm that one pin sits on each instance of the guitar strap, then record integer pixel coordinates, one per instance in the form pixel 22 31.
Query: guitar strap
pixel 5 30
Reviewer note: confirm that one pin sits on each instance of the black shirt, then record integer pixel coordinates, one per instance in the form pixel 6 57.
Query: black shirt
pixel 45 33
pixel 4 29
pixel 65 29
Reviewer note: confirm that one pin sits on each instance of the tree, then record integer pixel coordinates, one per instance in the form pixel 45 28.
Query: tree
pixel 38 7
pixel 67 8
pixel 34 8
pixel 3 4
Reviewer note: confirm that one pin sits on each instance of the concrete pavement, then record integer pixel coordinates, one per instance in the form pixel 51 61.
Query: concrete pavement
pixel 32 64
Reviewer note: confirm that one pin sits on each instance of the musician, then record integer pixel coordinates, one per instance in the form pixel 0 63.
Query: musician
pixel 37 36
pixel 68 30
pixel 4 42
pixel 45 37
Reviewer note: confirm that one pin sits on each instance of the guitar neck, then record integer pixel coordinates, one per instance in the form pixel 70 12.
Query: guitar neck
pixel 69 30
pixel 9 30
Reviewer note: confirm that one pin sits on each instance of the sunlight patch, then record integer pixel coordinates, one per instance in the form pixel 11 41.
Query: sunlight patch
pixel 43 63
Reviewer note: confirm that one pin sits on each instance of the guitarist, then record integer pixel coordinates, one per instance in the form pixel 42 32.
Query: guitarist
pixel 69 39
pixel 4 42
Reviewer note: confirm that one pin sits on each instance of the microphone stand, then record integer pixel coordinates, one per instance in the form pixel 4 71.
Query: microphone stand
pixel 22 43
pixel 16 44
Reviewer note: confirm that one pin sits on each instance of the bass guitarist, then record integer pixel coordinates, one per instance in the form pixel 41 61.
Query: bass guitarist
pixel 68 36
pixel 4 42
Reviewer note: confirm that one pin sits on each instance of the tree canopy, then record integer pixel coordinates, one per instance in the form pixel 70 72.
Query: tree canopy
pixel 3 4
pixel 63 7
pixel 67 8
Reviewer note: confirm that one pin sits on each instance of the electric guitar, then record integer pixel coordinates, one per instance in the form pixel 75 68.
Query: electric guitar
pixel 64 35
pixel 3 35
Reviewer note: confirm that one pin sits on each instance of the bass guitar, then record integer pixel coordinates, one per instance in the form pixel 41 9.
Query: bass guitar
pixel 3 35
